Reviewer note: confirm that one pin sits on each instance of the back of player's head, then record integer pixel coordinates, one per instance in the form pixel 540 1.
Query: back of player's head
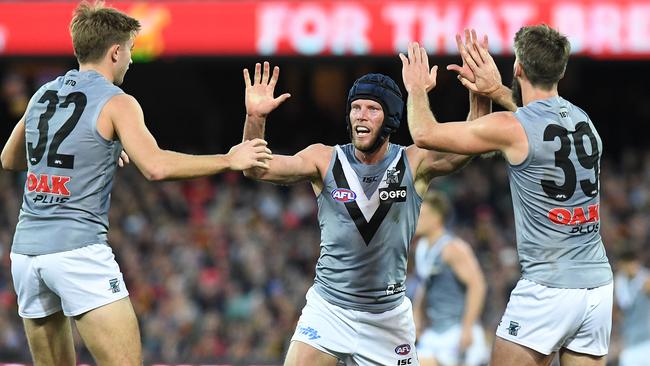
pixel 383 90
pixel 95 28
pixel 543 53
pixel 439 203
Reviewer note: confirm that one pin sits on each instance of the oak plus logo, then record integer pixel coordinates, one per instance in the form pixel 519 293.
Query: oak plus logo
pixel 580 220
pixel 49 188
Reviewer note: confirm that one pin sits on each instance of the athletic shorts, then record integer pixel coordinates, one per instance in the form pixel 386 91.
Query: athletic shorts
pixel 358 337
pixel 546 319
pixel 635 355
pixel 75 281
pixel 444 346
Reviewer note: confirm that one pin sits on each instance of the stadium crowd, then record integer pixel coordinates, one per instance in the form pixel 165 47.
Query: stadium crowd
pixel 218 268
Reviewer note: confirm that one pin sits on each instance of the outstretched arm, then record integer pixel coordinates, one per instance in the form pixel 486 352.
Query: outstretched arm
pixel 155 163
pixel 283 169
pixel 493 132
pixel 479 72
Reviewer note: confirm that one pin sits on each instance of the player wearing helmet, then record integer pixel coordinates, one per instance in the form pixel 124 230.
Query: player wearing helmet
pixel 369 194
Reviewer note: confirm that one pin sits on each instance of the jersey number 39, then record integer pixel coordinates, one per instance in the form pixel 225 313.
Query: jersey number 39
pixel 564 191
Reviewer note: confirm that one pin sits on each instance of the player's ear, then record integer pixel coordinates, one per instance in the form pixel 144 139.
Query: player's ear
pixel 113 51
pixel 519 70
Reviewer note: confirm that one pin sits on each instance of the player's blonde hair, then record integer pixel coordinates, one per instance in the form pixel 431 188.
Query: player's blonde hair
pixel 95 28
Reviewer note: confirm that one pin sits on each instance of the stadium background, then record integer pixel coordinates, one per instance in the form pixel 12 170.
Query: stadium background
pixel 218 267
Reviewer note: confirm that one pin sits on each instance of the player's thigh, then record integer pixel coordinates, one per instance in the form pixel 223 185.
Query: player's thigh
pixel 386 338
pixel 302 354
pixel 84 278
pixel 35 299
pixel 50 340
pixel 325 327
pixel 111 334
pixel 506 353
pixel 571 358
pixel 593 335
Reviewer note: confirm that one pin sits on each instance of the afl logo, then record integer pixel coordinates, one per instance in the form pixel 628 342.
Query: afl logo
pixel 403 349
pixel 344 195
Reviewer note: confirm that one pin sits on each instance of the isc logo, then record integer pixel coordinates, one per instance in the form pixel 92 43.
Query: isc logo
pixel 344 195
pixel 404 362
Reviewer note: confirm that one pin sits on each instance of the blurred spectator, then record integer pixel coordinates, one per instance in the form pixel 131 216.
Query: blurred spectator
pixel 218 268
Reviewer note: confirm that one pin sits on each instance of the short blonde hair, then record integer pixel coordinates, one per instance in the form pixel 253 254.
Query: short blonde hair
pixel 95 28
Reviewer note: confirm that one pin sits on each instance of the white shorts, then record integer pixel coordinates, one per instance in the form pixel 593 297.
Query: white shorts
pixel 636 355
pixel 443 346
pixel 75 281
pixel 358 337
pixel 546 319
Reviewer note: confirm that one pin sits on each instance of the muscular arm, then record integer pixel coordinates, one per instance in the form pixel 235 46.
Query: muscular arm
pixel 433 163
pixel 289 169
pixel 462 261
pixel 158 164
pixel 494 132
pixel 14 152
pixel 282 169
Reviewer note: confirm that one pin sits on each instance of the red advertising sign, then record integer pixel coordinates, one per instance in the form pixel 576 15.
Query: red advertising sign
pixel 612 29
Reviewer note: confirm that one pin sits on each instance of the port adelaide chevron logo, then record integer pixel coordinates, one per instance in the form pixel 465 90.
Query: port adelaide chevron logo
pixel 368 212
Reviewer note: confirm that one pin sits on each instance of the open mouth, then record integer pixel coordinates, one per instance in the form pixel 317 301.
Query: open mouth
pixel 362 131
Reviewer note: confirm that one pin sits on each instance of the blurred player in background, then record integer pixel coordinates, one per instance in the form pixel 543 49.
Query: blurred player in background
pixel 69 141
pixel 450 298
pixel 368 194
pixel 563 301
pixel 632 290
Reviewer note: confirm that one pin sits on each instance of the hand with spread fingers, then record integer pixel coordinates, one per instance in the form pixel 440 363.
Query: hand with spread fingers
pixel 259 94
pixel 479 72
pixel 415 69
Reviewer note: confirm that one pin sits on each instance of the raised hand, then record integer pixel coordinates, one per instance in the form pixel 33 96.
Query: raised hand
pixel 259 94
pixel 479 72
pixel 249 154
pixel 415 69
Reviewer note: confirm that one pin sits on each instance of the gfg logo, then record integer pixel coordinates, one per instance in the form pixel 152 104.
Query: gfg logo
pixel 393 194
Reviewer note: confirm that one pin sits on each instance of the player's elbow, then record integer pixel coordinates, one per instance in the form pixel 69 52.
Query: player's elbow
pixel 155 174
pixel 421 140
pixel 9 163
pixel 154 171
